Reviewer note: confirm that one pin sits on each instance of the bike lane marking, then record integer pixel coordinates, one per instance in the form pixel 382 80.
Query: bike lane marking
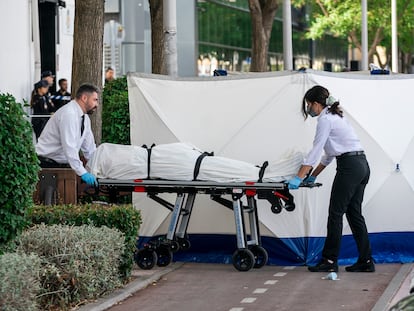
pixel 262 290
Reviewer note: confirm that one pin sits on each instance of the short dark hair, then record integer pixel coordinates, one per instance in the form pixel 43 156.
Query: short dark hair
pixel 86 88
pixel 62 80
pixel 109 68
pixel 41 83
pixel 47 73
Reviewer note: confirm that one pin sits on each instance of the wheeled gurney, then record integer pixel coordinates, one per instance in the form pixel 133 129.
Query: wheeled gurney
pixel 249 252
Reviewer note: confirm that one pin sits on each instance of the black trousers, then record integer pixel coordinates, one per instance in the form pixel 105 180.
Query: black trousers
pixel 352 175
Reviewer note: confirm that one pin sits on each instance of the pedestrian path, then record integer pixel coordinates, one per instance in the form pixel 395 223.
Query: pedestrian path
pixel 141 279
pixel 181 286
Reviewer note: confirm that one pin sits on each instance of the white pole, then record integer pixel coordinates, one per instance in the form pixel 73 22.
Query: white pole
pixel 287 36
pixel 364 35
pixel 394 38
pixel 36 40
pixel 170 37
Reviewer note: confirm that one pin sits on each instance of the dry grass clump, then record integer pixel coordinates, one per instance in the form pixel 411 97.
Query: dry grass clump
pixel 19 282
pixel 78 263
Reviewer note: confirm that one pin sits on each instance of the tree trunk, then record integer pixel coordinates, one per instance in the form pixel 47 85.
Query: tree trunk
pixel 157 36
pixel 87 60
pixel 262 13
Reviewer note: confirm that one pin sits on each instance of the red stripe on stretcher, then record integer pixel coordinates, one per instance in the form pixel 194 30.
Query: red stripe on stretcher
pixel 139 188
pixel 279 195
pixel 250 192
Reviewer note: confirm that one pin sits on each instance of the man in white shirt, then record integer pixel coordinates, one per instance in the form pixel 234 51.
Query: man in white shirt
pixel 69 131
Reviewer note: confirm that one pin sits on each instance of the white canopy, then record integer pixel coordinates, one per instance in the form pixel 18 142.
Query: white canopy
pixel 257 117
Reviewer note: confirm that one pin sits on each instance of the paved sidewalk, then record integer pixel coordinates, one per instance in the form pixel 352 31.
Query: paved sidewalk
pixel 142 279
pixel 399 277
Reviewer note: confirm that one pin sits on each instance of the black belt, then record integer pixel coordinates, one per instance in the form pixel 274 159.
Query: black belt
pixel 351 154
pixel 50 163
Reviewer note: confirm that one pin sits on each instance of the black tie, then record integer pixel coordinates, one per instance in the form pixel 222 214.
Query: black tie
pixel 82 124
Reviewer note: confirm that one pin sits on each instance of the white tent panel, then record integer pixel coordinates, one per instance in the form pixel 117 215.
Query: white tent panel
pixel 391 209
pixel 406 167
pixel 257 118
pixel 379 98
pixel 152 213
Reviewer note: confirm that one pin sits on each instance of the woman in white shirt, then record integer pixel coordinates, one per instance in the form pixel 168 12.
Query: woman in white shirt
pixel 335 136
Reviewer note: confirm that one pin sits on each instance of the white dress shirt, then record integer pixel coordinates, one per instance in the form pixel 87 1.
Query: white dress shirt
pixel 61 139
pixel 335 136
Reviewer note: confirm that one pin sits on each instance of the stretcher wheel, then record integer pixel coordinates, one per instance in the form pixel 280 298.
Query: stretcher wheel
pixel 145 258
pixel 174 246
pixel 260 256
pixel 243 259
pixel 164 254
pixel 276 209
pixel 184 244
pixel 290 207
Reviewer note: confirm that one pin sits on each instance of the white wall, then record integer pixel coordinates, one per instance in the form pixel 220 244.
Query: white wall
pixel 20 48
pixel 17 49
pixel 64 48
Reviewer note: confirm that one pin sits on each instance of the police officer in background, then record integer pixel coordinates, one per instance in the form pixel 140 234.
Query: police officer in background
pixel 49 77
pixel 41 106
pixel 62 96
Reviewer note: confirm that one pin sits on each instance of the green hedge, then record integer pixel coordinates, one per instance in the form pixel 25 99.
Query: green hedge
pixel 115 112
pixel 19 168
pixel 125 218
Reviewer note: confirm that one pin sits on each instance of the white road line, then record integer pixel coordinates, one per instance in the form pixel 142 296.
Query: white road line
pixel 236 309
pixel 289 268
pixel 280 274
pixel 248 300
pixel 270 282
pixel 259 290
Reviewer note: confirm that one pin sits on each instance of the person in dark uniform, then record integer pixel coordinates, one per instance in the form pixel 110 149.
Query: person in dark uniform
pixel 49 77
pixel 109 74
pixel 62 96
pixel 337 138
pixel 41 106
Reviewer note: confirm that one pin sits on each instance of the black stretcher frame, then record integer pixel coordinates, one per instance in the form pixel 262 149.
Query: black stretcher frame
pixel 249 251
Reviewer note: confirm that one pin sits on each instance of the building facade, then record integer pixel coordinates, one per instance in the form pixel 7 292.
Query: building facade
pixel 225 39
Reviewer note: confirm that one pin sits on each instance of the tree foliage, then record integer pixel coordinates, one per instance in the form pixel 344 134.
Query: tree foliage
pixel 343 19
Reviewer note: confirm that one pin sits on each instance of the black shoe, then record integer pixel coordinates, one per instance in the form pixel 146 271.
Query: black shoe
pixel 325 265
pixel 362 266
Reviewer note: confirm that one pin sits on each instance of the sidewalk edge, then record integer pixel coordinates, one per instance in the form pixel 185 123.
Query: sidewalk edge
pixel 121 294
pixel 384 301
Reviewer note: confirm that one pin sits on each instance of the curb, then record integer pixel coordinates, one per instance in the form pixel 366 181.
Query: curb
pixel 393 288
pixel 119 295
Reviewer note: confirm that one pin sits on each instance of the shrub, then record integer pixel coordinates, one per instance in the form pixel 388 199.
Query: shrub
pixel 79 262
pixel 19 168
pixel 19 282
pixel 125 218
pixel 115 112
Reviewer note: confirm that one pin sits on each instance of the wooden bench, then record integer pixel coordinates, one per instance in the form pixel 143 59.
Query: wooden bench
pixel 57 186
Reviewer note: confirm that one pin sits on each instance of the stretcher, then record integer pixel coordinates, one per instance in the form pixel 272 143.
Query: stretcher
pixel 249 253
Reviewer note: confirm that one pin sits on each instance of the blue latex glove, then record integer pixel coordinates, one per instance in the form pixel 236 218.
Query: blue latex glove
pixel 294 182
pixel 310 179
pixel 90 179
